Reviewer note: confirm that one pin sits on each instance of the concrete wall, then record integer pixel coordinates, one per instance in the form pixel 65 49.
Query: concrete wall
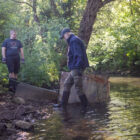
pixel 29 92
pixel 96 88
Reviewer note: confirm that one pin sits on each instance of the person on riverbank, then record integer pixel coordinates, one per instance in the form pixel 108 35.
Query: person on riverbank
pixel 11 50
pixel 77 62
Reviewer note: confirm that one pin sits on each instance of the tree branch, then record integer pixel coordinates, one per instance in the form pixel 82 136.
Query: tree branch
pixel 36 19
pixel 22 2
pixel 106 1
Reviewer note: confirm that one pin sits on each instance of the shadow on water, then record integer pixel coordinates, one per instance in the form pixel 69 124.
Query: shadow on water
pixel 117 120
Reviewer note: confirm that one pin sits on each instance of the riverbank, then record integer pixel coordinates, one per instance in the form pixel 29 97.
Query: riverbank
pixel 18 117
pixel 123 73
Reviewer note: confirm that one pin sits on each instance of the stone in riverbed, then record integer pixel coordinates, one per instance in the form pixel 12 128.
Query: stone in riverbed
pixel 7 114
pixel 19 112
pixel 3 128
pixel 99 138
pixel 29 108
pixel 24 125
pixel 18 100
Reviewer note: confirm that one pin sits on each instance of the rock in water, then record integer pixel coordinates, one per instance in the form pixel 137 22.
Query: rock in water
pixel 3 128
pixel 24 125
pixel 18 100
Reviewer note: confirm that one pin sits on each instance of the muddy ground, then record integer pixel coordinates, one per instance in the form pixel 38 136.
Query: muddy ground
pixel 18 117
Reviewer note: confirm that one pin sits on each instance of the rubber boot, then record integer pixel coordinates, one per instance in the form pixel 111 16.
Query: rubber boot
pixel 11 85
pixel 15 84
pixel 64 102
pixel 84 103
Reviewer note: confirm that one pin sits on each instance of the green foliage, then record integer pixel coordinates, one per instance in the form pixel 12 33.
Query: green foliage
pixel 42 47
pixel 42 53
pixel 115 43
pixel 3 78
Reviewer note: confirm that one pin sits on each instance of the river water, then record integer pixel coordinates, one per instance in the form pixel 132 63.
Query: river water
pixel 119 119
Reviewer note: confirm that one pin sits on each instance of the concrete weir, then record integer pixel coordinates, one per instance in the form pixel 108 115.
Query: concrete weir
pixel 96 88
pixel 29 92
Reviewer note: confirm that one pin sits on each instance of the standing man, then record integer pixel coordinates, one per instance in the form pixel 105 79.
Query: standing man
pixel 11 49
pixel 77 62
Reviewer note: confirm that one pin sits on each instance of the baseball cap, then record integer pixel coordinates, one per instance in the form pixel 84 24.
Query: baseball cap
pixel 65 30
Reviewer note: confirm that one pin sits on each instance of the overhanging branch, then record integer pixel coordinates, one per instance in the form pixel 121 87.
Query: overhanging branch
pixel 106 1
pixel 22 2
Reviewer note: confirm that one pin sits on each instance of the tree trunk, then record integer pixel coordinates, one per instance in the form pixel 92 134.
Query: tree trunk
pixel 89 17
pixel 36 19
pixel 54 8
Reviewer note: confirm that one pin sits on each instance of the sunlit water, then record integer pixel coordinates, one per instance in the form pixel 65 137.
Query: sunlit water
pixel 118 120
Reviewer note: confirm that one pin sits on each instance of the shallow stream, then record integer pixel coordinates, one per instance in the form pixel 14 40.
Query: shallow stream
pixel 118 120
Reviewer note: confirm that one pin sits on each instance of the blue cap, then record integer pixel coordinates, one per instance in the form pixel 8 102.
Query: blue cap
pixel 65 30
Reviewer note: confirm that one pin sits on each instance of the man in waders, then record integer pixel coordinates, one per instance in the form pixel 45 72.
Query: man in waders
pixel 77 62
pixel 11 49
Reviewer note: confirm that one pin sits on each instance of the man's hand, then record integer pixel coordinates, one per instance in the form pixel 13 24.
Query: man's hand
pixel 22 60
pixel 4 60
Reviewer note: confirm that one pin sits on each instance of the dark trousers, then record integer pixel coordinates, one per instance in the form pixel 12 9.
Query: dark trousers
pixel 74 78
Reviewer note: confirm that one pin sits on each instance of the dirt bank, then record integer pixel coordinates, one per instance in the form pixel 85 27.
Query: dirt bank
pixel 18 117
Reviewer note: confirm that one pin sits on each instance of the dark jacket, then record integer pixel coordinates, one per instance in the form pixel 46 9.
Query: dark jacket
pixel 77 57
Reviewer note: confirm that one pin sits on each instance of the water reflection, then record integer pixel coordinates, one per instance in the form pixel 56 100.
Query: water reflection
pixel 124 110
pixel 117 120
